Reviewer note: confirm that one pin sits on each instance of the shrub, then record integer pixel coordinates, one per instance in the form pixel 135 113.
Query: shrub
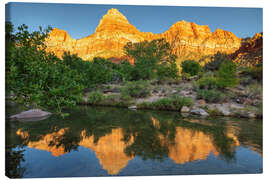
pixel 206 82
pixel 214 112
pixel 211 96
pixel 174 104
pixel 191 67
pixel 95 97
pixel 216 61
pixel 255 73
pixel 227 75
pixel 136 89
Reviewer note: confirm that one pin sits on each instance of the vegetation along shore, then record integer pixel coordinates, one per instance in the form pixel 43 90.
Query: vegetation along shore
pixel 149 77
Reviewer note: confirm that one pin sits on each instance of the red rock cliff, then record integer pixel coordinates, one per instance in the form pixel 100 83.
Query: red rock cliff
pixel 188 39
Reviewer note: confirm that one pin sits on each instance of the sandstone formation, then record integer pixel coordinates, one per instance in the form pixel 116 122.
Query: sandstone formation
pixel 188 40
pixel 251 51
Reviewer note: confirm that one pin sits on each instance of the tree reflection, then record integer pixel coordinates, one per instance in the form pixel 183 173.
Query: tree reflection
pixel 13 163
pixel 150 135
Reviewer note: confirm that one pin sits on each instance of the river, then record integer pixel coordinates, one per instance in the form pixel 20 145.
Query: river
pixel 99 141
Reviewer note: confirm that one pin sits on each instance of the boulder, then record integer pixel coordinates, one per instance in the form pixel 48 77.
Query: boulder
pixel 31 115
pixel 174 91
pixel 132 107
pixel 224 110
pixel 201 101
pixel 236 106
pixel 185 109
pixel 199 112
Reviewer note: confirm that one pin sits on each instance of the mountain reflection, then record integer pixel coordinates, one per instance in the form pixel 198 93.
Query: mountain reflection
pixel 116 141
pixel 188 145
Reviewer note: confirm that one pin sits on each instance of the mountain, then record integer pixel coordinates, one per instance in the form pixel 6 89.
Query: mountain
pixel 250 52
pixel 188 40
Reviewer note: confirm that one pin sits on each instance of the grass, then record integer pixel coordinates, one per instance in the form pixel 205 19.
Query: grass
pixel 136 89
pixel 171 104
pixel 97 98
pixel 211 96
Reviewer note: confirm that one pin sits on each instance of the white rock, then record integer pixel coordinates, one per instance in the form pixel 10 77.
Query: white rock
pixel 185 109
pixel 132 107
pixel 199 111
pixel 236 106
pixel 224 110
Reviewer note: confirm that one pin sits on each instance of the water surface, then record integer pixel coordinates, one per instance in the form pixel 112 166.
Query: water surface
pixel 98 141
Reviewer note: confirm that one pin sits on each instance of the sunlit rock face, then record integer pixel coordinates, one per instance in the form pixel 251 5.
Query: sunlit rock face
pixel 188 40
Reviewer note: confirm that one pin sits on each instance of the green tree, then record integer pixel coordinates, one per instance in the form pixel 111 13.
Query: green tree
pixel 191 67
pixel 227 75
pixel 216 61
pixel 36 77
pixel 152 59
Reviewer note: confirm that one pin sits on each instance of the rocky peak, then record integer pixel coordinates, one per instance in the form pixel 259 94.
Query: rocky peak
pixel 59 34
pixel 112 18
pixel 187 39
pixel 190 29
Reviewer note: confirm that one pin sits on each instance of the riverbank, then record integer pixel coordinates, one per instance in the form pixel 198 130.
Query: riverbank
pixel 241 101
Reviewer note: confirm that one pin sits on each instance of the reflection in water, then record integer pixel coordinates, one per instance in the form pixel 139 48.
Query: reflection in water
pixel 187 146
pixel 147 135
pixel 190 146
pixel 45 142
pixel 109 150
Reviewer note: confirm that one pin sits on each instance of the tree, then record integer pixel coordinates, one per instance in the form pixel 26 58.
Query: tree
pixel 152 59
pixel 227 75
pixel 216 61
pixel 36 77
pixel 191 67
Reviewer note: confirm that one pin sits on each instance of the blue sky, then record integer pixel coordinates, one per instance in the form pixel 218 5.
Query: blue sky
pixel 81 20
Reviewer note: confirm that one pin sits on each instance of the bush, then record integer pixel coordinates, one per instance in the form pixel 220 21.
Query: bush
pixel 255 73
pixel 211 96
pixel 216 62
pixel 95 97
pixel 136 89
pixel 227 75
pixel 173 104
pixel 206 82
pixel 191 67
